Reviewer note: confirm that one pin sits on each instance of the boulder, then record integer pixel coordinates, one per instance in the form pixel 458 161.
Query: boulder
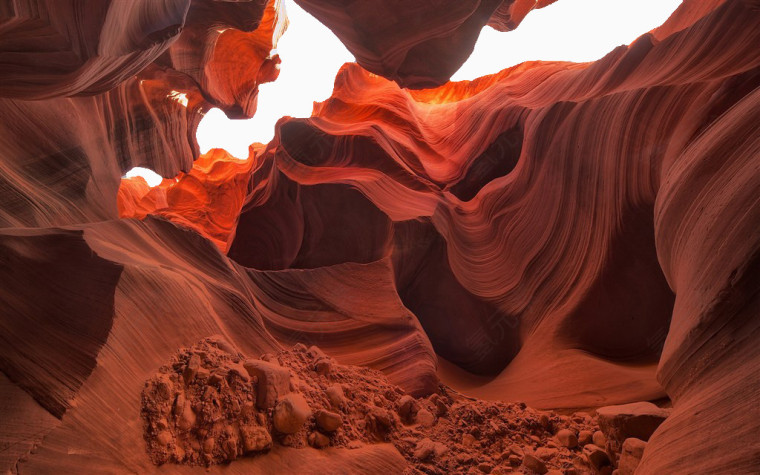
pixel 274 382
pixel 291 413
pixel 567 438
pixel 638 420
pixel 633 451
pixel 328 421
pixel 596 456
pixel 255 438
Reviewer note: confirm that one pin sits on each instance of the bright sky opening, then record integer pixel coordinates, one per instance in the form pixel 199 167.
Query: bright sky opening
pixel 577 30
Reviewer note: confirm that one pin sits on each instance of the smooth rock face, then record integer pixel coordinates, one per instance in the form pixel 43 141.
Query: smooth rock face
pixel 638 420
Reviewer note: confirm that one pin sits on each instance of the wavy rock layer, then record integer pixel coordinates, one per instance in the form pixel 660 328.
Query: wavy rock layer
pixel 564 234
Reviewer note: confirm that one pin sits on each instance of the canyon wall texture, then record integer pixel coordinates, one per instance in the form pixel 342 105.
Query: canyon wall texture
pixel 568 235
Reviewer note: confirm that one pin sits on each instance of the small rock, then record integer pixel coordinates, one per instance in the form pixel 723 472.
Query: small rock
pixel 545 421
pixel 208 445
pixel 187 419
pixel 335 395
pixel 585 437
pixel 440 449
pixel 324 366
pixel 545 453
pixel 291 413
pixel 515 460
pixel 238 370
pixel 596 456
pixel 229 447
pixel 533 463
pixel 318 440
pixel 468 440
pixel 299 347
pixel 316 353
pixel 425 418
pixel 164 438
pixel 633 451
pixel 328 421
pixel 636 420
pixel 485 467
pixel 193 365
pixel 274 381
pixel 407 408
pixel 441 409
pixel 255 438
pixel 516 450
pixel 599 439
pixel 424 449
pixel 567 438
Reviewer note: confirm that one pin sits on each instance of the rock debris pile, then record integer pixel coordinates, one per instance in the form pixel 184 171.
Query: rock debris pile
pixel 211 405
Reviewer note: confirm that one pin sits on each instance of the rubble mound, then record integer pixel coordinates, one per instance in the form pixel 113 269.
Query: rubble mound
pixel 200 408
pixel 211 405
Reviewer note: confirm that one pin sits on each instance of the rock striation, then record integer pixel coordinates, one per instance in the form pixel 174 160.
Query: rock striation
pixel 567 235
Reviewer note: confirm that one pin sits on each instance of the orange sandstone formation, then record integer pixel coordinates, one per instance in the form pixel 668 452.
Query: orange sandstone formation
pixel 559 235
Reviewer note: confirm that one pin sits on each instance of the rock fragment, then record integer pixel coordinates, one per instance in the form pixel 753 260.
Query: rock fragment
pixel 318 440
pixel 255 438
pixel 273 381
pixel 638 420
pixel 424 449
pixel 633 451
pixel 567 438
pixel 328 421
pixel 425 418
pixel 596 456
pixel 533 463
pixel 585 437
pixel 335 395
pixel 599 439
pixel 291 413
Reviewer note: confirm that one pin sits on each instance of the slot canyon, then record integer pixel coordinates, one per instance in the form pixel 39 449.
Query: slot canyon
pixel 552 269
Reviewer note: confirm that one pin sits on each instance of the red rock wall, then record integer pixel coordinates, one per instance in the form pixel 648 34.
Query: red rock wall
pixel 564 234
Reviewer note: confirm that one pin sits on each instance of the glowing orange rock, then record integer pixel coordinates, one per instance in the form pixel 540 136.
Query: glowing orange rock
pixel 207 199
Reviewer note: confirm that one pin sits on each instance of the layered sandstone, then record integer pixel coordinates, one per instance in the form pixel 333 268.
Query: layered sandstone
pixel 568 235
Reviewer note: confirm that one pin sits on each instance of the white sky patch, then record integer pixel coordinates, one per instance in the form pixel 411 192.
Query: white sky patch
pixel 311 56
pixel 150 176
pixel 569 30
